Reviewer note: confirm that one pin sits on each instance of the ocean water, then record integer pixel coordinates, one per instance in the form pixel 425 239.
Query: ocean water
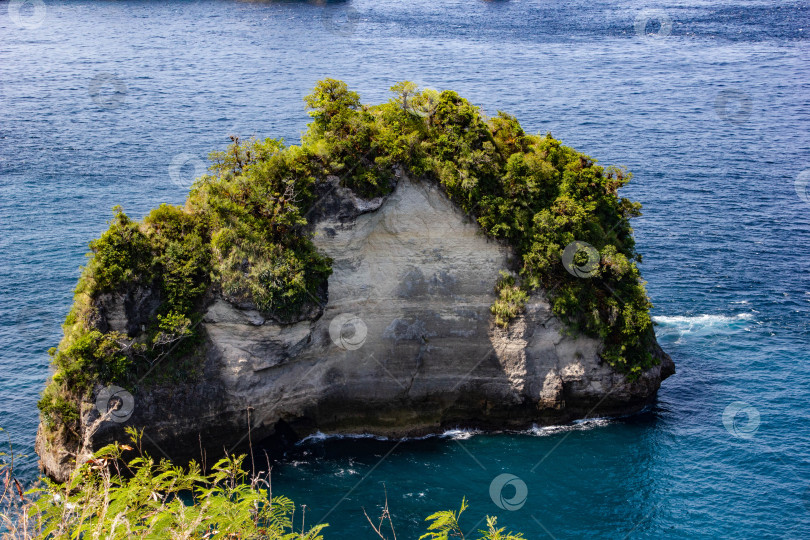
pixel 116 102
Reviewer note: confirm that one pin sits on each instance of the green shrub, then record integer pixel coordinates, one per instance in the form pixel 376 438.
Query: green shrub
pixel 345 137
pixel 510 300
pixel 56 408
pixel 121 255
pixel 92 356
pixel 181 256
pixel 112 498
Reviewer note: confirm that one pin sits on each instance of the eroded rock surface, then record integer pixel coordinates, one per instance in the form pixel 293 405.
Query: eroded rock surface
pixel 404 346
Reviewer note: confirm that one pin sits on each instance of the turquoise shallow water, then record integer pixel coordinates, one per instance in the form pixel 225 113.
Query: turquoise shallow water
pixel 98 100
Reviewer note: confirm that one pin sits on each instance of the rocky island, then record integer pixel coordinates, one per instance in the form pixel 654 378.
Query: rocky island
pixel 411 267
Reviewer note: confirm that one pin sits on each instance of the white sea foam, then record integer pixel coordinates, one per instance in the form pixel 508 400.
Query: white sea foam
pixel 455 434
pixel 578 425
pixel 459 434
pixel 681 325
pixel 702 320
pixel 319 436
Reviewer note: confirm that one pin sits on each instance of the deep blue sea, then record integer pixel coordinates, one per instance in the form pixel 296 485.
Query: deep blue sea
pixel 707 102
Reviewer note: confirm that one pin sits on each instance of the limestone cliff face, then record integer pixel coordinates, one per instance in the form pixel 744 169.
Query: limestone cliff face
pixel 404 346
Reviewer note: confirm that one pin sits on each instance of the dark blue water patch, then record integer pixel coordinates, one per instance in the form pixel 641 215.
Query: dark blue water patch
pixel 710 114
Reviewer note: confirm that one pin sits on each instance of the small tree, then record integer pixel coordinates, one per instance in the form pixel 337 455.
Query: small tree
pixel 329 98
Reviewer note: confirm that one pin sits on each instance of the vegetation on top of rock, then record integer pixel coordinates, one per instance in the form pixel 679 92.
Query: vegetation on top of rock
pixel 243 231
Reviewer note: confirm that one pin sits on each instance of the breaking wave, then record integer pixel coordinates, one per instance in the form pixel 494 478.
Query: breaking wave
pixel 578 425
pixel 678 326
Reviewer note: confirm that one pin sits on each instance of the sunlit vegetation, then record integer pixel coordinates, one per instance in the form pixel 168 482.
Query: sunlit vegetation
pixel 510 300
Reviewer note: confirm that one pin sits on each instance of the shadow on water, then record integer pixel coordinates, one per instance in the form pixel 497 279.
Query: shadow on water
pixel 547 474
pixel 284 448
